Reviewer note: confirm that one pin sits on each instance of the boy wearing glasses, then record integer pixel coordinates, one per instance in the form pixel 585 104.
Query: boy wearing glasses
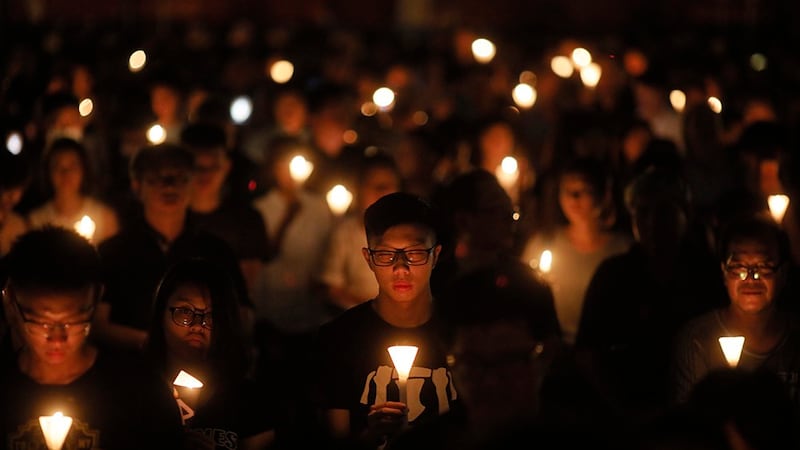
pixel 49 301
pixel 359 391
pixel 755 260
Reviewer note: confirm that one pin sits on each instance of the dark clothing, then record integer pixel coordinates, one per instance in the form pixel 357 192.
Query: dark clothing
pixel 239 225
pixel 134 263
pixel 234 413
pixel 356 370
pixel 630 318
pixel 114 405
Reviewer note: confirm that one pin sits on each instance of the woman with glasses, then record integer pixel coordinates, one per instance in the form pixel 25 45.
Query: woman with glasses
pixel 196 328
pixel 54 280
pixel 754 254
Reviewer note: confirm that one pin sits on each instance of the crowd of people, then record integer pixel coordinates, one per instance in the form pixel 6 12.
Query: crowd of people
pixel 575 299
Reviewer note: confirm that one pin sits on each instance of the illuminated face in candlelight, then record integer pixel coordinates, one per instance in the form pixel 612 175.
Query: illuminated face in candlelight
pixel 66 172
pixel 751 276
pixel 53 326
pixel 187 322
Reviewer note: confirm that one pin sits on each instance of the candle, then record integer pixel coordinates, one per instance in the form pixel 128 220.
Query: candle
pixel 777 206
pixel 185 380
pixel 732 348
pixel 339 199
pixel 55 429
pixel 85 227
pixel 507 172
pixel 546 261
pixel 300 169
pixel 403 359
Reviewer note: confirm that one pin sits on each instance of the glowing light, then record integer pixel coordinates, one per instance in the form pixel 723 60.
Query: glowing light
pixel 137 60
pixel 185 379
pixel 562 66
pixel 383 98
pixel 85 227
pixel 590 74
pixel 403 359
pixel 515 215
pixel 339 199
pixel 507 172
pixel 777 206
pixel 715 104
pixel 85 107
pixel 241 109
pixel 300 169
pixel 678 100
pixel 281 71
pixel 55 429
pixel 156 134
pixel 369 109
pixel 527 77
pixel 581 57
pixel 350 137
pixel 524 95
pixel 419 118
pixel 758 61
pixel 546 261
pixel 483 50
pixel 14 143
pixel 732 348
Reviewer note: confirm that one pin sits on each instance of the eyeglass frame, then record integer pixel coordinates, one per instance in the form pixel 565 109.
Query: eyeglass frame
pixel 403 252
pixel 47 327
pixel 752 272
pixel 208 325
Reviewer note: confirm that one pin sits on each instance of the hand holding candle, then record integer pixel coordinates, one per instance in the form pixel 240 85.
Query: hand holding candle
pixel 185 380
pixel 55 429
pixel 403 359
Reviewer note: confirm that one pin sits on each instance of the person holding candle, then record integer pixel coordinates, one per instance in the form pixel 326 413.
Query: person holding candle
pixel 754 253
pixel 67 187
pixel 114 402
pixel 358 391
pixel 196 327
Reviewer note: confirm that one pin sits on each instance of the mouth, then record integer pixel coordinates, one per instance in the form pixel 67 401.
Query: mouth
pixel 401 286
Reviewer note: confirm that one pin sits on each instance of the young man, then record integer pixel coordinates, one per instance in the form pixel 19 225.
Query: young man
pixel 50 296
pixel 359 391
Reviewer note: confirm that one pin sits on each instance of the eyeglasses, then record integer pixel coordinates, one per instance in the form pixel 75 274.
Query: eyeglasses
pixel 176 180
pixel 742 271
pixel 187 317
pixel 385 258
pixel 46 329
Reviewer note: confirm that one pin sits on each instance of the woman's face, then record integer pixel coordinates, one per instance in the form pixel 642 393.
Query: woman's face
pixel 187 322
pixel 66 172
pixel 578 200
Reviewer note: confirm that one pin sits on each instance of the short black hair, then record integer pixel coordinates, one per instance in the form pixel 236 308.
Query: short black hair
pixel 52 259
pixel 755 227
pixel 155 157
pixel 400 208
pixel 202 136
pixel 66 145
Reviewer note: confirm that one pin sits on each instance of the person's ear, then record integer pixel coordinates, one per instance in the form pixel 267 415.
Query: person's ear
pixel 436 251
pixel 365 254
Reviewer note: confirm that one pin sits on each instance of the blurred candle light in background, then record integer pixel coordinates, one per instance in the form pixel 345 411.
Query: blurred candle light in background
pixel 581 57
pixel 281 71
pixel 241 109
pixel 300 169
pixel 590 74
pixel 507 172
pixel 758 62
pixel 524 95
pixel 678 100
pixel 55 429
pixel 383 98
pixel 85 227
pixel 562 66
pixel 546 261
pixel 156 134
pixel 483 50
pixel 137 60
pixel 777 206
pixel 403 359
pixel 339 199
pixel 85 107
pixel 715 104
pixel 732 348
pixel 14 143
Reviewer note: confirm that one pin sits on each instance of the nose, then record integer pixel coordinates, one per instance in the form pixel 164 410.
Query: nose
pixel 57 334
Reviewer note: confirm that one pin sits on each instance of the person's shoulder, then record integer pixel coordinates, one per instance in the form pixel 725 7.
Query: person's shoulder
pixel 349 319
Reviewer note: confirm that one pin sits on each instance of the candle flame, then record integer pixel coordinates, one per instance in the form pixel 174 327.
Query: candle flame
pixel 777 206
pixel 184 379
pixel 339 199
pixel 403 358
pixel 55 429
pixel 300 168
pixel 546 261
pixel 85 227
pixel 732 348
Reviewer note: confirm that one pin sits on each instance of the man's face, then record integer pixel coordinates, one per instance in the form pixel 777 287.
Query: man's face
pixel 211 169
pixel 53 325
pixel 400 281
pixel 165 191
pixel 758 265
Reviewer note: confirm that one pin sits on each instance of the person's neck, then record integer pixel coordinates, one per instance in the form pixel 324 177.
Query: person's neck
pixel 57 374
pixel 68 204
pixel 407 314
pixel 206 203
pixel 170 226
pixel 586 236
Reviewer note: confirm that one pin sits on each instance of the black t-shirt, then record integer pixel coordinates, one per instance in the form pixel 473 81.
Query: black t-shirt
pixel 239 225
pixel 114 405
pixel 134 263
pixel 356 369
